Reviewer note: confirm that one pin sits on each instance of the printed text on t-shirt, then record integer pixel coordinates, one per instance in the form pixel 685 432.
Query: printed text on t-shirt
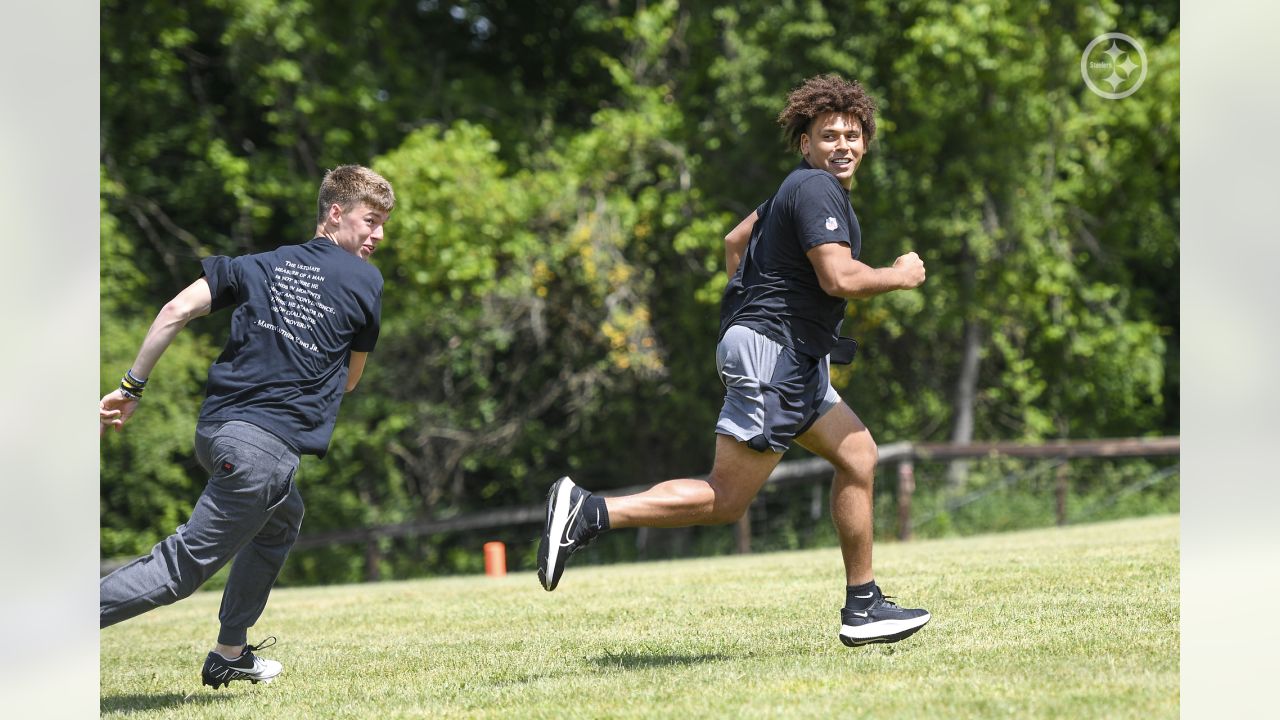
pixel 296 300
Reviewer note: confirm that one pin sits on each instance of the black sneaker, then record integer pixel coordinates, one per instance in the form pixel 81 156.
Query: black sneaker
pixel 566 532
pixel 219 671
pixel 883 622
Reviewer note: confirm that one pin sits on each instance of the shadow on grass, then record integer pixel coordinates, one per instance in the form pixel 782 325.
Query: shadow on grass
pixel 137 702
pixel 627 660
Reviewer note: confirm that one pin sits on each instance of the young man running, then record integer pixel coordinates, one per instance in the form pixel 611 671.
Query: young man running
pixel 306 317
pixel 793 264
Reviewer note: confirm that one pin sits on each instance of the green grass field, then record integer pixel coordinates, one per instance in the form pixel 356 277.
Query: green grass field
pixel 1076 622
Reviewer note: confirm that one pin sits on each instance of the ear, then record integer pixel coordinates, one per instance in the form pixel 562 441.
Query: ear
pixel 804 145
pixel 335 214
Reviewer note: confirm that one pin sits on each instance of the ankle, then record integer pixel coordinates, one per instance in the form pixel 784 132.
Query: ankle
pixel 596 512
pixel 861 597
pixel 229 652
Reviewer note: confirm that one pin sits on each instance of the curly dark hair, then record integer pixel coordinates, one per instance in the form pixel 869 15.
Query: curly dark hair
pixel 826 93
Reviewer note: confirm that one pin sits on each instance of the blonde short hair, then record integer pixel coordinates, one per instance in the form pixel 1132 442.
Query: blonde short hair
pixel 350 185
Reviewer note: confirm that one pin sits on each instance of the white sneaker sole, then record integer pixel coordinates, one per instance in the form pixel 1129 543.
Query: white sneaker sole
pixel 884 631
pixel 559 499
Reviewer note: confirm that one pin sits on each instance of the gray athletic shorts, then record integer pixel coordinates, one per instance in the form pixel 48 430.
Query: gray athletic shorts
pixel 772 393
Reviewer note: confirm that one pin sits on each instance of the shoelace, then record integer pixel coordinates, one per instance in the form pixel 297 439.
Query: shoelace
pixel 249 649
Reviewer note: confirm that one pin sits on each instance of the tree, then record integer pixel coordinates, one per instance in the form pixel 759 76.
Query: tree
pixel 566 172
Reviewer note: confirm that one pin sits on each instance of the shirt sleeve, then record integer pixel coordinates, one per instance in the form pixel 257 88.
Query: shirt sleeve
pixel 224 281
pixel 821 212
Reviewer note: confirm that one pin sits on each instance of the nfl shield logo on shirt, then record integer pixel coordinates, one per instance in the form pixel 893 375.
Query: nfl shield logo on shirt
pixel 832 224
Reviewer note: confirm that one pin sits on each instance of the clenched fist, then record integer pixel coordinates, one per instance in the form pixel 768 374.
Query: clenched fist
pixel 911 269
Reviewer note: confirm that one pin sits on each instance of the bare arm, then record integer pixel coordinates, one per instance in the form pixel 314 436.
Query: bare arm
pixel 843 276
pixel 735 243
pixel 115 408
pixel 355 369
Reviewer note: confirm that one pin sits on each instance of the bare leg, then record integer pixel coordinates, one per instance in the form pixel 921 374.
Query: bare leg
pixel 841 438
pixel 736 477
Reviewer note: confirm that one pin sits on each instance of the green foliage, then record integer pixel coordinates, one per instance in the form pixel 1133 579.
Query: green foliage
pixel 980 167
pixel 149 477
pixel 565 175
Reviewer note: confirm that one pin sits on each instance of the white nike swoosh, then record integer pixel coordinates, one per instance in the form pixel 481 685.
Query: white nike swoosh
pixel 863 596
pixel 860 614
pixel 258 669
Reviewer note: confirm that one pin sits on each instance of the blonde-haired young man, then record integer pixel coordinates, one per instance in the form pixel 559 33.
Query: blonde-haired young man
pixel 306 317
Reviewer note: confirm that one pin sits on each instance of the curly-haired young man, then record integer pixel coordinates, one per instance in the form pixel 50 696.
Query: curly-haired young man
pixel 793 263
pixel 306 317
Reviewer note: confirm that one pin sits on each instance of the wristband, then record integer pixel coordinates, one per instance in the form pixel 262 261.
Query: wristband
pixel 131 386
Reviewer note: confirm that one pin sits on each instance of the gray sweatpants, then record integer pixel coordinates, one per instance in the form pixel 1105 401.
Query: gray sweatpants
pixel 250 510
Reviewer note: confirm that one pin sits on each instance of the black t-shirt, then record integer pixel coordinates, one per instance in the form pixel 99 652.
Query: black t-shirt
pixel 776 290
pixel 300 312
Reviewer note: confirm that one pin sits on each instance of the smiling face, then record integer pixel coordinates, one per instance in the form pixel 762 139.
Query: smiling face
pixel 358 230
pixel 834 143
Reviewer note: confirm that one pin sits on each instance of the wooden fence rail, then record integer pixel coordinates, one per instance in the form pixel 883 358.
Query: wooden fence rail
pixel 1058 449
pixel 902 455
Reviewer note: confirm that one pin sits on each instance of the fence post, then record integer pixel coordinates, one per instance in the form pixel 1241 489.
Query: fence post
pixel 1062 487
pixel 742 532
pixel 906 486
pixel 372 559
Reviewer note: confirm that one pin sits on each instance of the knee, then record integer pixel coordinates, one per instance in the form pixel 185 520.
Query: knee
pixel 183 587
pixel 727 507
pixel 857 461
pixel 726 514
pixel 186 573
